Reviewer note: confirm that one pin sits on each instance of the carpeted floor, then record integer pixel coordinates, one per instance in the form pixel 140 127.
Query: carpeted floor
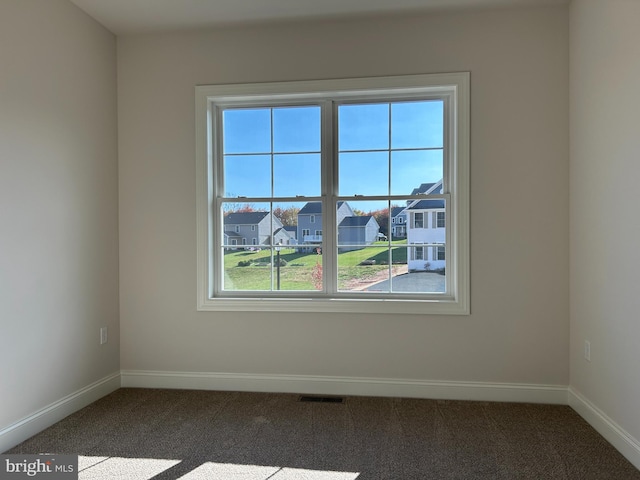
pixel 165 434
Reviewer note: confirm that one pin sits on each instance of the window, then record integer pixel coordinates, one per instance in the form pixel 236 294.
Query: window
pixel 343 154
pixel 439 253
pixel 438 220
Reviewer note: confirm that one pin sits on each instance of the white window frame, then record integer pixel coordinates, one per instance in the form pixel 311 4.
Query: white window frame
pixel 454 86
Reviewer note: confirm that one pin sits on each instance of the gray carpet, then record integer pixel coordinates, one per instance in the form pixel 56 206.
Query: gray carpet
pixel 165 434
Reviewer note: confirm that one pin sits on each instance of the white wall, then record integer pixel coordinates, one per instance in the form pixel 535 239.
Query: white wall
pixel 605 230
pixel 58 205
pixel 518 331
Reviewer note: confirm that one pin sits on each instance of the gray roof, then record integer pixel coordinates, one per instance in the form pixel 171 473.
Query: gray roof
pixel 291 228
pixel 232 234
pixel 312 208
pixel 427 205
pixel 425 187
pixel 396 210
pixel 244 218
pixel 282 230
pixel 422 188
pixel 357 221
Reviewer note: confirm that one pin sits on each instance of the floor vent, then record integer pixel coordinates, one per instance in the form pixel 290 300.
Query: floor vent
pixel 316 399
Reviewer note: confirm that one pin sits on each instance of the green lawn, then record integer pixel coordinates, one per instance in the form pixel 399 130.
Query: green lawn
pixel 297 274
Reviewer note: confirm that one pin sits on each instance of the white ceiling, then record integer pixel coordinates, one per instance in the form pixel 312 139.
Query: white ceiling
pixel 140 16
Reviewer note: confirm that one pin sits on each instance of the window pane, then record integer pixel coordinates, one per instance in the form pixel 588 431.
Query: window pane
pixel 245 221
pixel 363 127
pixel 299 270
pixel 301 261
pixel 417 124
pixel 363 173
pixel 361 268
pixel 246 130
pixel 246 270
pixel 410 169
pixel 362 223
pixel 423 279
pixel 247 176
pixel 296 129
pixel 296 175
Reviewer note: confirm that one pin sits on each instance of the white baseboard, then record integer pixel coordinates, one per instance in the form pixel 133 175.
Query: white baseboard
pixel 36 422
pixel 626 444
pixel 380 387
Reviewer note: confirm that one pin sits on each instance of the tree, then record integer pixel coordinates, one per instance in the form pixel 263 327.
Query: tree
pixel 228 208
pixel 382 217
pixel 316 275
pixel 288 216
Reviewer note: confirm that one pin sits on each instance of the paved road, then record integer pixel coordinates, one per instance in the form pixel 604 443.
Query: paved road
pixel 425 282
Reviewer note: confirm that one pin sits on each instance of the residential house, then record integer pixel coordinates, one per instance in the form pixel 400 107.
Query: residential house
pixel 357 230
pixel 253 229
pixel 398 222
pixel 309 231
pixel 292 230
pixel 352 229
pixel 426 230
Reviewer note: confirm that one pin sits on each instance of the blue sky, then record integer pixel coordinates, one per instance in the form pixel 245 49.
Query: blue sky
pixel 379 144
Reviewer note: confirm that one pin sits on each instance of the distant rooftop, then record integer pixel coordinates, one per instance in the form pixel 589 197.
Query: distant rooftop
pixel 244 218
pixel 427 204
pixel 357 221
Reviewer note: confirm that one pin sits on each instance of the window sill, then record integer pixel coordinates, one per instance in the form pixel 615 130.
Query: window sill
pixel 342 305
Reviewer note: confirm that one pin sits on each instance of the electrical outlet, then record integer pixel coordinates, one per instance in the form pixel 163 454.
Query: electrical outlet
pixel 587 350
pixel 103 335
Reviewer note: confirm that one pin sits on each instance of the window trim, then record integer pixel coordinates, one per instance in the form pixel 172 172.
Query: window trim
pixel 457 85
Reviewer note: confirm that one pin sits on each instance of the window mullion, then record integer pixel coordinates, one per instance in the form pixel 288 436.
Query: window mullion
pixel 216 230
pixel 329 141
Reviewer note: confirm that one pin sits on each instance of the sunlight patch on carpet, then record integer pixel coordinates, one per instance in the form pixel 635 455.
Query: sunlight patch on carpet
pixel 103 468
pixel 230 471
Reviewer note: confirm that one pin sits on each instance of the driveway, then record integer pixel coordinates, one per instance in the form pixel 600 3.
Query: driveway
pixel 424 282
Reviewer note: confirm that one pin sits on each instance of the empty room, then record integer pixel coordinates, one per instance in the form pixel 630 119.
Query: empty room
pixel 272 239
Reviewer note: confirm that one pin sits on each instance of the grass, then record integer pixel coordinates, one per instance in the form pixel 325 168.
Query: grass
pixel 297 273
